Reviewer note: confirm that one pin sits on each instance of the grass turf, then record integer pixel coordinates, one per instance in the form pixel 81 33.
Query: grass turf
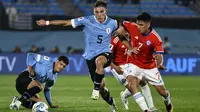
pixel 72 94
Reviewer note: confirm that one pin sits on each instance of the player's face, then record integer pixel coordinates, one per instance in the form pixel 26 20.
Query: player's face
pixel 100 14
pixel 143 26
pixel 59 66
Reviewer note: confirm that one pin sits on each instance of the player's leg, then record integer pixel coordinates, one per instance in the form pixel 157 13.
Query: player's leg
pixel 105 94
pixel 119 77
pixel 101 61
pixel 30 102
pixel 102 89
pixel 147 95
pixel 154 78
pixel 124 94
pixel 33 88
pixel 133 76
pixel 21 85
pixel 105 61
pixel 91 68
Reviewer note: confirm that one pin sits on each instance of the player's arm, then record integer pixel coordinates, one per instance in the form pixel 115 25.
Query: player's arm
pixel 47 94
pixel 43 22
pixel 117 68
pixel 122 34
pixel 73 22
pixel 159 51
pixel 159 59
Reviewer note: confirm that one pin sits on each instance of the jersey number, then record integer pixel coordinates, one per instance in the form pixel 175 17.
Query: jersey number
pixel 99 41
pixel 140 45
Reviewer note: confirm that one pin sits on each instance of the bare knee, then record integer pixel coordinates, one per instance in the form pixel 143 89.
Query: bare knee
pixel 100 62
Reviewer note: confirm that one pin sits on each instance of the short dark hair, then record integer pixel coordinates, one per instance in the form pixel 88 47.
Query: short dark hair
pixel 64 59
pixel 146 17
pixel 100 3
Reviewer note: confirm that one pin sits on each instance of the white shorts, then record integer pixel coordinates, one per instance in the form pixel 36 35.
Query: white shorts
pixel 151 75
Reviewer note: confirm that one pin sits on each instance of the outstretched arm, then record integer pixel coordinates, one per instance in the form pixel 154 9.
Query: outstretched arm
pixel 47 94
pixel 43 22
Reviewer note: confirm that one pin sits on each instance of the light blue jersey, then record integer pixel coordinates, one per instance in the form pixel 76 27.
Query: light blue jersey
pixel 97 35
pixel 43 67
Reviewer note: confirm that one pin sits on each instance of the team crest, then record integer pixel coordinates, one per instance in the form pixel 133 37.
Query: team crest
pixel 148 42
pixel 108 30
pixel 80 18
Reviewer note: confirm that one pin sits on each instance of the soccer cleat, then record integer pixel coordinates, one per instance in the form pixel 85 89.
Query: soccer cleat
pixel 15 98
pixel 124 101
pixel 95 94
pixel 147 111
pixel 153 109
pixel 169 106
pixel 113 107
pixel 17 105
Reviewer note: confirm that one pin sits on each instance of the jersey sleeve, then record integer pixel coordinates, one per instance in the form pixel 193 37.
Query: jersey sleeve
pixel 113 43
pixel 115 25
pixel 33 58
pixel 158 44
pixel 79 21
pixel 129 26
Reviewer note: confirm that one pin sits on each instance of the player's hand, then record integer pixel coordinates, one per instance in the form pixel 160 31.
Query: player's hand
pixel 162 67
pixel 118 70
pixel 31 71
pixel 54 106
pixel 134 50
pixel 41 22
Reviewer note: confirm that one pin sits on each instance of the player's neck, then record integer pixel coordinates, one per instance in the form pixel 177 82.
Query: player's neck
pixel 147 32
pixel 100 21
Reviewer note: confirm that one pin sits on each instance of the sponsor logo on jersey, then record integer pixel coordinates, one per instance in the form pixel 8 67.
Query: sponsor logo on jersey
pixel 148 42
pixel 108 30
pixel 136 37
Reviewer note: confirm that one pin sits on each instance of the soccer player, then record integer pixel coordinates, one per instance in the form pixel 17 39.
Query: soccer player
pixel 141 63
pixel 98 29
pixel 42 70
pixel 119 51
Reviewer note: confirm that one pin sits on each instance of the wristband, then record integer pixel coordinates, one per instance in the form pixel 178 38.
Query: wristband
pixel 47 23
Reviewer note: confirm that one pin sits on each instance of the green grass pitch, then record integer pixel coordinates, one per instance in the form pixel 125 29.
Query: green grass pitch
pixel 72 94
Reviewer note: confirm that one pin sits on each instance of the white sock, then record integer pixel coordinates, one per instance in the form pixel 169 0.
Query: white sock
pixel 147 95
pixel 140 101
pixel 168 98
pixel 126 93
pixel 119 77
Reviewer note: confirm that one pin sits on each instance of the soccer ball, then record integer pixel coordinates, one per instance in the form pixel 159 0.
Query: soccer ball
pixel 40 107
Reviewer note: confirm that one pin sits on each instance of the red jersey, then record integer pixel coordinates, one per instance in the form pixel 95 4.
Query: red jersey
pixel 147 44
pixel 119 51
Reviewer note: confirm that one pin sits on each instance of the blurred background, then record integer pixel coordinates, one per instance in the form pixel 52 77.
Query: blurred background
pixel 177 22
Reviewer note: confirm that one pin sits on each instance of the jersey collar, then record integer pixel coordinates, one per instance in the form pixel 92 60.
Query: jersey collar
pixel 146 34
pixel 98 21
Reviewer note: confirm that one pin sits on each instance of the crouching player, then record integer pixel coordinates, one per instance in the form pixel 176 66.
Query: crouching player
pixel 40 75
pixel 119 50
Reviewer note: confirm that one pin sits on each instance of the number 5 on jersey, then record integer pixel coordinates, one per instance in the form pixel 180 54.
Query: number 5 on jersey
pixel 99 41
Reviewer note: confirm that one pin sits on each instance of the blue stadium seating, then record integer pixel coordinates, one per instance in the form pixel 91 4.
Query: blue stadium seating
pixel 154 7
pixel 52 8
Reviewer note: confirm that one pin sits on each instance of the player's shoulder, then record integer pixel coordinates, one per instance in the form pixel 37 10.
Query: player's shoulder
pixel 154 35
pixel 84 18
